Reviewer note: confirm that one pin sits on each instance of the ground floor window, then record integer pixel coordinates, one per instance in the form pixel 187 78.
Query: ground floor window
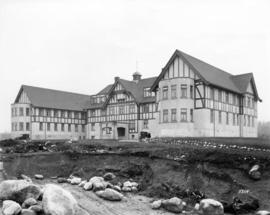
pixel 145 124
pixel 165 115
pixel 27 126
pixel 69 127
pixel 191 115
pixel 183 115
pixel 48 126
pixel 92 126
pixel 227 118
pixel 62 127
pixel 55 127
pixel 219 117
pixel 76 128
pixel 211 116
pixel 108 130
pixel 131 126
pixel 173 115
pixel 41 126
pixel 21 126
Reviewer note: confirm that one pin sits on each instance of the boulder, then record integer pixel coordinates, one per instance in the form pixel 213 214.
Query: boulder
pixel 156 204
pixel 110 194
pixel 29 202
pixel 98 183
pixel 18 190
pixel 82 183
pixel 57 201
pixel 263 212
pixel 127 184
pixel 88 186
pixel 39 177
pixel 36 208
pixel 117 188
pixel 245 202
pixel 109 176
pixel 11 208
pixel 75 181
pixel 211 207
pixel 254 172
pixel 62 180
pixel 27 212
pixel 126 189
pixel 174 205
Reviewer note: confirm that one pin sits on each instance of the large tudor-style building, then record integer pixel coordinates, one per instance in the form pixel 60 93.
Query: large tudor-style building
pixel 188 98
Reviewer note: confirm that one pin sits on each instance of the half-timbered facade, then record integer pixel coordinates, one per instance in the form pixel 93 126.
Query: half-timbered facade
pixel 188 98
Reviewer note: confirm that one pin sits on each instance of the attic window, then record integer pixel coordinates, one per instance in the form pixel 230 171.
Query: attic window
pixel 146 92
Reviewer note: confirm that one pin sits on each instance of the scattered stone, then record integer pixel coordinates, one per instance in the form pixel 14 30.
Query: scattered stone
pixel 254 172
pixel 127 184
pixel 88 186
pixel 211 207
pixel 174 205
pixel 29 202
pixel 11 208
pixel 27 212
pixel 109 176
pixel 76 181
pixel 39 177
pixel 126 189
pixel 110 194
pixel 82 183
pixel 263 213
pixel 62 180
pixel 156 204
pixel 98 183
pixel 58 201
pixel 117 188
pixel 18 190
pixel 37 208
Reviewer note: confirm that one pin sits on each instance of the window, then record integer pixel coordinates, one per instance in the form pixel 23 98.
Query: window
pixel 76 128
pixel 55 127
pixel 48 126
pixel 227 97
pixel 165 92
pixel 15 111
pixel 92 126
pixel 131 126
pixel 69 127
pixel 173 92
pixel 76 115
pixel 146 92
pixel 20 111
pixel 69 114
pixel 27 111
pixel 145 124
pixel 191 115
pixel 103 112
pixel 173 115
pixel 145 108
pixel 233 119
pixel 111 110
pixel 165 115
pixel 183 91
pixel 212 116
pixel 183 115
pixel 92 113
pixel 27 126
pixel 62 114
pixel 62 127
pixel 244 120
pixel 108 130
pixel 212 94
pixel 41 126
pixel 83 128
pixel 220 96
pixel 237 119
pixel 248 121
pixel 219 117
pixel 253 123
pixel 121 109
pixel 227 118
pixel 132 108
pixel 15 126
pixel 191 92
pixel 21 126
pixel 55 113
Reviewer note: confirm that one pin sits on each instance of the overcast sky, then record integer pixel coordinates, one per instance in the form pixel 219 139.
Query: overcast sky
pixel 81 45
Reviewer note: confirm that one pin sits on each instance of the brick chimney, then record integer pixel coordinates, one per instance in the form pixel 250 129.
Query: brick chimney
pixel 116 78
pixel 136 76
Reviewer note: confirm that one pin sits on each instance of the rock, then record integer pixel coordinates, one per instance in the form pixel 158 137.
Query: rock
pixel 88 186
pixel 117 188
pixel 109 176
pixel 25 177
pixel 126 189
pixel 245 203
pixel 29 202
pixel 134 189
pixel 27 212
pixel 134 184
pixel 263 213
pixel 18 190
pixel 75 181
pixel 37 208
pixel 254 172
pixel 127 184
pixel 110 194
pixel 62 180
pixel 57 201
pixel 156 204
pixel 174 205
pixel 11 208
pixel 98 183
pixel 211 207
pixel 39 177
pixel 82 183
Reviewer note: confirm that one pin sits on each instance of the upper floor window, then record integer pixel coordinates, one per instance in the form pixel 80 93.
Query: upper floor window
pixel 55 127
pixel 147 92
pixel 165 92
pixel 121 109
pixel 165 115
pixel 234 119
pixel 173 92
pixel 183 115
pixel 145 124
pixel 76 115
pixel 227 97
pixel 248 102
pixel 62 114
pixel 103 112
pixel 41 112
pixel 145 108
pixel 132 108
pixel 191 92
pixel 220 95
pixel 62 127
pixel 92 113
pixel 21 111
pixel 55 113
pixel 15 111
pixel 173 115
pixel 219 117
pixel 69 114
pixel 234 99
pixel 48 126
pixel 212 93
pixel 111 110
pixel 183 91
pixel 47 112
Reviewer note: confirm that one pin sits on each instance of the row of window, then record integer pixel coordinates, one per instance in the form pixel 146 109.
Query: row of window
pixel 20 126
pixel 174 92
pixel 147 92
pixel 249 121
pixel 21 111
pixel 173 118
pixel 63 128
pixel 60 113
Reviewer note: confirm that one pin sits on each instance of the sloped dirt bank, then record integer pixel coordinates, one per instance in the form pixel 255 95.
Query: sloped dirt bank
pixel 195 176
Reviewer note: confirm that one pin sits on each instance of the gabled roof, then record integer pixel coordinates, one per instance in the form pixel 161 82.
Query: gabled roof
pixel 105 90
pixel 48 98
pixel 209 74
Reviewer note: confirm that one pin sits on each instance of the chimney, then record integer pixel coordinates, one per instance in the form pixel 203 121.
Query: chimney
pixel 116 78
pixel 136 76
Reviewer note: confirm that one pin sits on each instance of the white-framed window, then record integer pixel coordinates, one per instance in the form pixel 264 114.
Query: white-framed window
pixel 21 126
pixel 183 91
pixel 145 124
pixel 93 126
pixel 212 116
pixel 174 91
pixel 165 92
pixel 41 126
pixel 21 111
pixel 165 115
pixel 27 126
pixel 173 115
pixel 48 126
pixel 183 115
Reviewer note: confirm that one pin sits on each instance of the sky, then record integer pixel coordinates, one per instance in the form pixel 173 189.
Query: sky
pixel 81 45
